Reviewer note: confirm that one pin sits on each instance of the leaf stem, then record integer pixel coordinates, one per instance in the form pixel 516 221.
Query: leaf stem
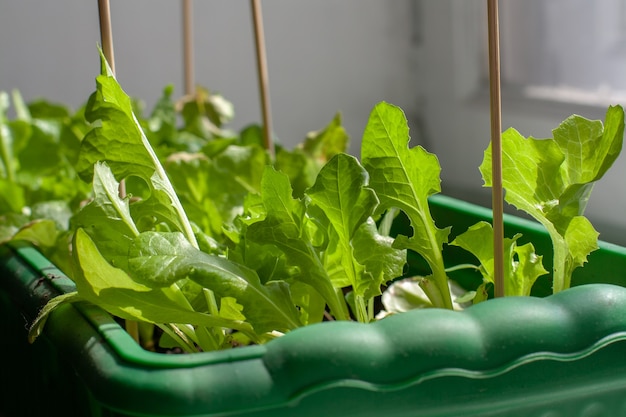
pixel 160 171
pixel 462 266
pixel 361 312
pixel 370 309
pixel 435 261
pixel 340 310
pixel 559 268
pixel 387 221
pixel 441 281
pixel 5 153
pixel 177 335
pixel 132 328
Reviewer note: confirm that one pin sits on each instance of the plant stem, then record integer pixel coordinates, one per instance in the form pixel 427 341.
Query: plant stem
pixel 385 225
pixel 441 281
pixel 361 313
pixel 342 312
pixel 160 171
pixel 433 292
pixel 370 310
pixel 132 328
pixel 177 335
pixel 462 266
pixel 434 258
pixel 560 275
pixel 207 339
pixel 5 152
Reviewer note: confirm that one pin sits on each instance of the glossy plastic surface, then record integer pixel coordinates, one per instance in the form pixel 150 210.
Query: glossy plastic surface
pixel 564 355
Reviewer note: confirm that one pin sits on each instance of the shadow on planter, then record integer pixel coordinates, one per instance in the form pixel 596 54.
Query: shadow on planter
pixel 564 355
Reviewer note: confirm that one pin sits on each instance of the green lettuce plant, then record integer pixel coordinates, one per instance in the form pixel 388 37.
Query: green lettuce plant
pixel 219 246
pixel 39 186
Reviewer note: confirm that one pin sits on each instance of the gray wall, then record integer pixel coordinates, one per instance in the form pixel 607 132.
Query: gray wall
pixel 324 56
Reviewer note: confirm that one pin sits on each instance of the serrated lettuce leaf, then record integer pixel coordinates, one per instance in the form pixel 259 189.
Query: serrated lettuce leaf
pixel 346 202
pixel 341 192
pixel 120 141
pixel 404 178
pixel 284 227
pixel 522 266
pixel 551 179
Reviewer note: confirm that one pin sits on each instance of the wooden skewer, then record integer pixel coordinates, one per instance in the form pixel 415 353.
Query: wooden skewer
pixel 259 38
pixel 188 47
pixel 496 146
pixel 106 36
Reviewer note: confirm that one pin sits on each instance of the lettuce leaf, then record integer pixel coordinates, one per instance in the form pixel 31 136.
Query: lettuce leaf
pixel 522 266
pixel 341 192
pixel 552 179
pixel 159 260
pixel 119 141
pixel 404 178
pixel 285 227
pixel 114 290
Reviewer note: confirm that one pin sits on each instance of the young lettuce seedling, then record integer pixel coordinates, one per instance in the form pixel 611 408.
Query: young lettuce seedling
pixel 552 179
pixel 304 243
pixel 143 261
pixel 404 178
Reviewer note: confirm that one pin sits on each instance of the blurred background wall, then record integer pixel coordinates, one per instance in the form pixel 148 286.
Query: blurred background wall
pixel 324 56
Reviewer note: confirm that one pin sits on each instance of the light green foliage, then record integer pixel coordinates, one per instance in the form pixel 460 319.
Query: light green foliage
pixel 159 260
pixel 266 272
pixel 205 114
pixel 107 217
pixel 39 187
pixel 230 247
pixel 404 178
pixel 213 188
pixel 522 266
pixel 37 154
pixel 114 290
pixel 341 193
pixel 551 179
pixel 285 227
pixel 303 163
pixel 120 141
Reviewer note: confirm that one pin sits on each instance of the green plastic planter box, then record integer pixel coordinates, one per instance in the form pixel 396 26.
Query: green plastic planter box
pixel 564 355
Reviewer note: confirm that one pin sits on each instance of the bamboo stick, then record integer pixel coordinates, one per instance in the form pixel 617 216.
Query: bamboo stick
pixel 496 146
pixel 106 37
pixel 188 61
pixel 259 38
